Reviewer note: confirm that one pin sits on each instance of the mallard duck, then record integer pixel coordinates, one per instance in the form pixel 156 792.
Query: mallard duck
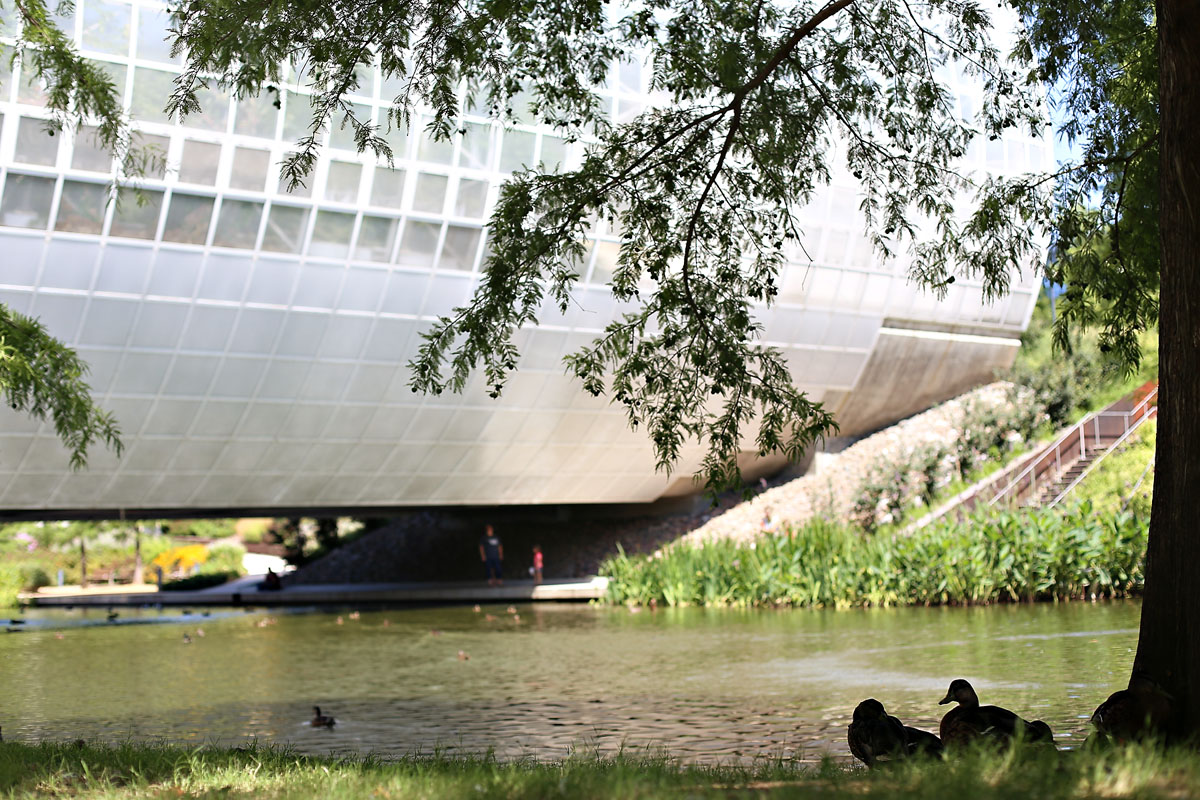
pixel 320 720
pixel 875 736
pixel 871 720
pixel 1129 714
pixel 969 721
pixel 921 743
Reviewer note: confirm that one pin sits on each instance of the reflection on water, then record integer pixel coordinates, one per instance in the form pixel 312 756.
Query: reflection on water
pixel 707 685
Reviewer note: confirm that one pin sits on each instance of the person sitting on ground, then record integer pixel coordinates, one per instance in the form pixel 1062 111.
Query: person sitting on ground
pixel 270 582
pixel 491 553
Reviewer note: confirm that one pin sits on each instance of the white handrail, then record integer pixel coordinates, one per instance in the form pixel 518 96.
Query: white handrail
pixel 1078 427
pixel 1056 445
pixel 1120 441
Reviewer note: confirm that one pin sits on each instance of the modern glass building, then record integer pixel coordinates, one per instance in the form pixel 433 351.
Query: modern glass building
pixel 252 341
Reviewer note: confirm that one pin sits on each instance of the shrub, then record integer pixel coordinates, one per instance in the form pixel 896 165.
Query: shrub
pixel 992 557
pixel 252 530
pixel 202 528
pixel 225 557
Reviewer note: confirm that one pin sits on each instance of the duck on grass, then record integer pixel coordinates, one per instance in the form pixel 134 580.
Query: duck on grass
pixel 1143 712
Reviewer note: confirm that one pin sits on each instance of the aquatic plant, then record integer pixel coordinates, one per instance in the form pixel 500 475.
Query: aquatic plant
pixel 992 557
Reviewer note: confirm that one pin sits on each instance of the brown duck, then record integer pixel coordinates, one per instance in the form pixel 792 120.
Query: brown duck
pixel 1134 713
pixel 969 722
pixel 876 736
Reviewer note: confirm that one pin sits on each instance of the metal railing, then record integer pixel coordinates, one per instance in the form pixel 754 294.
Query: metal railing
pixel 1102 429
pixel 1026 473
pixel 1097 461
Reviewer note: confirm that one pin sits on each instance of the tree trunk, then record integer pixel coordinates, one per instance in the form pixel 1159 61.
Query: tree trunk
pixel 138 574
pixel 1169 641
pixel 82 562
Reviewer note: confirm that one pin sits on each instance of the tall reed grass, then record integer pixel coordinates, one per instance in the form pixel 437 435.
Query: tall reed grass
pixel 992 557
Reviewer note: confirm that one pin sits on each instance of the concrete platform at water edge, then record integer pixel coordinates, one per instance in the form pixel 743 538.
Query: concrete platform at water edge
pixel 245 591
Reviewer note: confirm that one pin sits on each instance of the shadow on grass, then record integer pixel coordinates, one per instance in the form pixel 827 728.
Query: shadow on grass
pixel 152 770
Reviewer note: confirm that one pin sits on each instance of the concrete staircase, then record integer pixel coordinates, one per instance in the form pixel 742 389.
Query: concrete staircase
pixel 1067 478
pixel 1040 478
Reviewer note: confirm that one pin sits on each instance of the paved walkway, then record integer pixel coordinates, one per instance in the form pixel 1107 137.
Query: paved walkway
pixel 244 591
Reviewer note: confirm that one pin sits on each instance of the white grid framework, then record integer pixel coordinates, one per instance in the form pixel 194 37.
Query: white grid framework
pixel 252 340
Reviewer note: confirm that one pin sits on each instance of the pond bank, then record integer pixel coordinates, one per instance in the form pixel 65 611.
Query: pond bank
pixel 246 592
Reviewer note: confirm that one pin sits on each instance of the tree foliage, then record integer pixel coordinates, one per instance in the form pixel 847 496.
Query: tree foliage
pixel 758 104
pixel 1102 62
pixel 44 378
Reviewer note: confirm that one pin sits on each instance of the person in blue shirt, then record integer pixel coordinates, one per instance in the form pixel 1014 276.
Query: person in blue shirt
pixel 491 553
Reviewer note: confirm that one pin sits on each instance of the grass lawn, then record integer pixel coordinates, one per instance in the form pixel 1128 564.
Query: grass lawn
pixel 159 771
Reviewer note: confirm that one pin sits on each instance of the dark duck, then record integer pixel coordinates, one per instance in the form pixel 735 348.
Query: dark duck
pixel 1138 712
pixel 875 736
pixel 320 720
pixel 970 722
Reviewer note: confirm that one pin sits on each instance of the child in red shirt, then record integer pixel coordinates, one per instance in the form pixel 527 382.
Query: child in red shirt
pixel 537 563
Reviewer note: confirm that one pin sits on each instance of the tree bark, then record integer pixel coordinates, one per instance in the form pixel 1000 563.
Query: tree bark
pixel 138 571
pixel 1169 640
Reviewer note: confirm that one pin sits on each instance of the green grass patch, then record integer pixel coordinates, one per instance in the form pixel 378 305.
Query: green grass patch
pixel 995 556
pixel 157 771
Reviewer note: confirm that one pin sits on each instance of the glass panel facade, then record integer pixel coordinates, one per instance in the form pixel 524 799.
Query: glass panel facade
pixel 430 193
pixel 151 88
pixel 554 152
pixel 476 147
pixel 376 238
pixel 250 167
pixel 214 110
pixel 296 116
pixel 432 150
pixel 88 153
pixel 152 43
pixel 331 235
pixel 419 245
pixel 136 214
pixel 395 134
pixel 32 89
pixel 256 116
pixel 237 224
pixel 341 182
pixel 200 162
pixel 388 188
pixel 154 148
pixel 285 229
pixel 35 144
pixel 188 218
pixel 81 209
pixel 517 151
pixel 106 27
pixel 459 249
pixel 471 199
pixel 26 201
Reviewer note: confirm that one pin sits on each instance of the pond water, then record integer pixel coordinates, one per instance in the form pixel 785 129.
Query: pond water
pixel 705 685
